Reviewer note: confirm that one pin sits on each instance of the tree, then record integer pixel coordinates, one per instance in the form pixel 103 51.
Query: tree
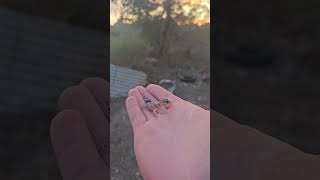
pixel 168 12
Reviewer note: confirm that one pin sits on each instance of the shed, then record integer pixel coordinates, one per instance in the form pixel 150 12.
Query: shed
pixel 123 79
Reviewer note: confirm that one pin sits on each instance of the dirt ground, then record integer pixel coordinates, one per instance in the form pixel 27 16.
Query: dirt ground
pixel 123 162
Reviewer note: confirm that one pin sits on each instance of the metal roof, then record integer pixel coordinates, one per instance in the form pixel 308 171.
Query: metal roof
pixel 123 79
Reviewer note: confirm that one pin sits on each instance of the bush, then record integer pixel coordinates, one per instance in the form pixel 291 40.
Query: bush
pixel 128 46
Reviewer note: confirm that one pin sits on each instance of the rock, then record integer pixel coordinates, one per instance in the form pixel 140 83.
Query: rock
pixel 168 85
pixel 187 77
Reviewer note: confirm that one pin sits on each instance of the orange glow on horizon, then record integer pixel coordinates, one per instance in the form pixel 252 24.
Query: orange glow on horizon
pixel 199 17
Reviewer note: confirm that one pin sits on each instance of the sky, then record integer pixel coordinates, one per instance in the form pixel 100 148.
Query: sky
pixel 200 19
pixel 114 13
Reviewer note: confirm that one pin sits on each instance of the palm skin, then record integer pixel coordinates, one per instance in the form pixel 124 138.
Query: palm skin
pixel 174 145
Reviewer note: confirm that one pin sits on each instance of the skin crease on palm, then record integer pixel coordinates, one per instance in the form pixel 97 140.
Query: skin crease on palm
pixel 173 146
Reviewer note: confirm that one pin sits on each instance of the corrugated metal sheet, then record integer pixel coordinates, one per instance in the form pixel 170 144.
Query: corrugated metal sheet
pixel 39 58
pixel 123 79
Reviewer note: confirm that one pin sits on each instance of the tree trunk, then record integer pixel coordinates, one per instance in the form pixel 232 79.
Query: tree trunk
pixel 164 41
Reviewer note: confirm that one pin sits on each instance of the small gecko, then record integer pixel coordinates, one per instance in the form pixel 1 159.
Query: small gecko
pixel 166 103
pixel 155 107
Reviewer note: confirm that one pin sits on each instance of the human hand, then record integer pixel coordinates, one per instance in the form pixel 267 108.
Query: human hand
pixel 174 145
pixel 80 132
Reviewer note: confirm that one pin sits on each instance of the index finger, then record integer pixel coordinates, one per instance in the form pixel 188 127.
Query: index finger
pixel 81 99
pixel 161 93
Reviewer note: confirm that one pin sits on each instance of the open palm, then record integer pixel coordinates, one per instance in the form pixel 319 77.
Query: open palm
pixel 174 145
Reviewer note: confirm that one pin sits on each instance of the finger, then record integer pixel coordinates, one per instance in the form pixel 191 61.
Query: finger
pixel 136 116
pixel 144 92
pixel 161 93
pixel 99 88
pixel 135 92
pixel 74 149
pixel 79 98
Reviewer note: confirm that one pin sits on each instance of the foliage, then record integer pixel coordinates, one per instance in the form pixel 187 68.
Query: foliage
pixel 165 15
pixel 181 11
pixel 127 45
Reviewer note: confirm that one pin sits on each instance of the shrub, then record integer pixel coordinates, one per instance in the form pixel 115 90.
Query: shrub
pixel 128 46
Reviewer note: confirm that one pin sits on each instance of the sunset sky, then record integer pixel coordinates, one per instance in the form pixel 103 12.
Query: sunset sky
pixel 200 19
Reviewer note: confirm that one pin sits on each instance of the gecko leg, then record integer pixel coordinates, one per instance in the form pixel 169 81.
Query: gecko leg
pixel 155 113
